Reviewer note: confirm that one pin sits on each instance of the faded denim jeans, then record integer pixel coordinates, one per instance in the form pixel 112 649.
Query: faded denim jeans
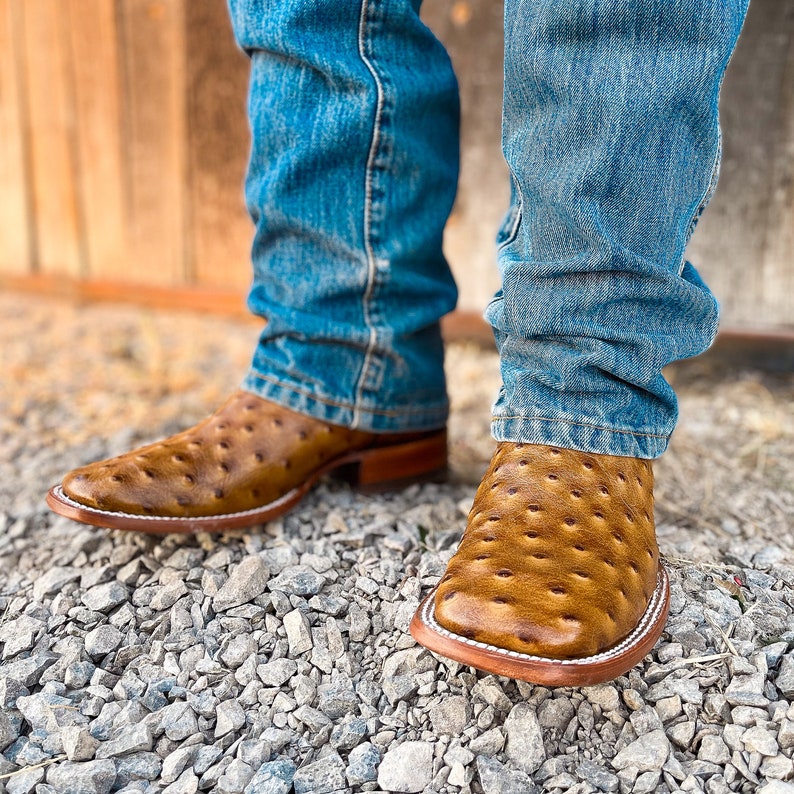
pixel 611 134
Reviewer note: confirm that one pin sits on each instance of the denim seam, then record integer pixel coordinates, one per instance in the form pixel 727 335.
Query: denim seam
pixel 339 403
pixel 580 424
pixel 368 244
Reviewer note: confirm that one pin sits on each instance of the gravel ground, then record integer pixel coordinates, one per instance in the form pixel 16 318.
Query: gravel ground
pixel 277 659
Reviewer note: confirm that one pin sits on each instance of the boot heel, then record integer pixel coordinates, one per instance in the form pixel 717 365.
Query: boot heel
pixel 400 464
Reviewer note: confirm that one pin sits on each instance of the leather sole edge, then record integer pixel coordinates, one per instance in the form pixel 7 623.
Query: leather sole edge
pixel 584 671
pixel 375 468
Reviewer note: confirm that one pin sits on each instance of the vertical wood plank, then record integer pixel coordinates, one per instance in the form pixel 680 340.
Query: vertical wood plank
pixel 743 245
pixel 51 138
pixel 471 30
pixel 778 263
pixel 153 44
pixel 218 144
pixel 93 37
pixel 15 253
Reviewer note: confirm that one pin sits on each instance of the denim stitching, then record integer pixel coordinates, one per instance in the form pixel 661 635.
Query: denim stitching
pixel 368 244
pixel 579 424
pixel 340 404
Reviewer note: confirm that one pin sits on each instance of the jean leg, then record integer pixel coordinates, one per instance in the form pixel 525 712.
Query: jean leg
pixel 611 134
pixel 353 108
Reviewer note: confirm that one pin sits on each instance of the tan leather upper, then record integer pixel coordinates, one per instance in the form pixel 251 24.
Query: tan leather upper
pixel 559 558
pixel 247 454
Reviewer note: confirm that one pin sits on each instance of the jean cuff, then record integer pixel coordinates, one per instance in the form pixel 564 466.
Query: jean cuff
pixel 578 435
pixel 380 419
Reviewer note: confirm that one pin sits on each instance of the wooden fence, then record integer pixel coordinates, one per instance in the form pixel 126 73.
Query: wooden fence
pixel 123 142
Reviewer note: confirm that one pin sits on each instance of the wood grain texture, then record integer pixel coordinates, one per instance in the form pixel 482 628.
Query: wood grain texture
pixel 15 243
pixel 153 44
pixel 51 138
pixel 220 230
pixel 744 244
pixel 124 143
pixel 93 39
pixel 471 30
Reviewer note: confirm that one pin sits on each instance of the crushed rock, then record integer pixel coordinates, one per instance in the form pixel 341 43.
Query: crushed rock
pixel 275 659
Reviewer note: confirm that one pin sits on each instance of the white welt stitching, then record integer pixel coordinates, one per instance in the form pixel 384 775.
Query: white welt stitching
pixel 192 519
pixel 654 609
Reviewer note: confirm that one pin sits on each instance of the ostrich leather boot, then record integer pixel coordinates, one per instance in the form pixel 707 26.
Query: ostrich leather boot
pixel 251 461
pixel 557 579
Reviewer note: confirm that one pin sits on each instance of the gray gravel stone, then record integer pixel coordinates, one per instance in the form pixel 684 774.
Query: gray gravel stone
pixel 682 733
pixel 178 721
pixel 785 736
pixel 360 625
pixel 714 750
pixel 186 783
pixel 362 764
pixel 247 581
pixel 102 640
pixel 20 635
pixel 601 778
pixel 10 691
pixel 784 680
pixel 645 720
pixel 777 767
pixel 235 777
pixel 230 717
pixel 105 597
pixel 321 777
pixel 167 595
pixel 496 778
pixel 24 781
pixel 668 708
pixel 407 767
pixel 89 777
pixel 130 739
pixel 53 581
pixel 137 767
pixel 274 777
pixel 555 713
pixel 297 580
pixel 687 689
pixel 277 672
pixel 488 689
pixel 647 753
pixel 759 740
pixel 348 733
pixel 337 699
pixel 604 695
pixel 451 715
pixel 299 633
pixel 646 782
pixel 524 746
pixel 28 672
pixel 78 743
pixel 747 690
pixel 488 743
pixel 776 787
pixel 176 762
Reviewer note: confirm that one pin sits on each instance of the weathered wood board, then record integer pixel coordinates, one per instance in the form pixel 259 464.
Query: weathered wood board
pixel 124 144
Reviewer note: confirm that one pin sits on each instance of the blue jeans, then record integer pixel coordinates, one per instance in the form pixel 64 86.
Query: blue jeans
pixel 611 133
